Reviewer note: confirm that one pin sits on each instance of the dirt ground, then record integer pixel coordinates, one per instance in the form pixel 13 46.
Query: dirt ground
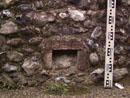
pixel 96 92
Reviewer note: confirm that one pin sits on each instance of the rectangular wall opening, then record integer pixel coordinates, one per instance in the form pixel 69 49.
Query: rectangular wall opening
pixel 64 58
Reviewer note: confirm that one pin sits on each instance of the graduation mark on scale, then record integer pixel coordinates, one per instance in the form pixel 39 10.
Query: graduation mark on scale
pixel 110 35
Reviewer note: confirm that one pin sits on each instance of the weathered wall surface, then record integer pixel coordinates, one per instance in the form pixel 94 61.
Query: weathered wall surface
pixel 31 30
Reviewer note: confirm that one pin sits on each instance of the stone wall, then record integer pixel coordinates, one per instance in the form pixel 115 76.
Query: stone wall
pixel 32 30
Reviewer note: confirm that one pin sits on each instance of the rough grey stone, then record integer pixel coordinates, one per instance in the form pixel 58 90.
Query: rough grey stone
pixel 44 72
pixel 127 47
pixel 35 40
pixel 20 20
pixel 8 28
pixel 93 46
pixel 9 68
pixel 89 24
pixel 1 53
pixel 70 74
pixel 94 59
pixel 119 74
pixel 40 18
pixel 67 81
pixel 79 81
pixel 63 79
pixel 81 74
pixel 128 2
pixel 15 41
pixel 6 14
pixel 9 2
pixel 29 50
pixel 32 65
pixel 38 4
pixel 24 7
pixel 14 56
pixel 84 4
pixel 97 75
pixel 121 60
pixel 118 49
pixel 97 32
pixel 15 77
pixel 65 29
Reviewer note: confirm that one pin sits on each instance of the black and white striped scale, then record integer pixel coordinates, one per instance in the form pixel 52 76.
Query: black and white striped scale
pixel 110 36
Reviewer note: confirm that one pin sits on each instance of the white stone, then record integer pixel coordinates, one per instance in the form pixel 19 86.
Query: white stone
pixel 94 59
pixel 60 78
pixel 9 68
pixel 67 81
pixel 63 15
pixel 77 15
pixel 119 86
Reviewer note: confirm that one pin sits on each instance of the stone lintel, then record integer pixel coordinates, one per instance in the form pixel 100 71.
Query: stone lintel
pixel 64 45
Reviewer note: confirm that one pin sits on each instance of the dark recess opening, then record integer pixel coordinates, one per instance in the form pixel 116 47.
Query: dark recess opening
pixel 64 58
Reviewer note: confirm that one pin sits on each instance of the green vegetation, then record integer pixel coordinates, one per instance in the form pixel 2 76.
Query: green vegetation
pixel 10 86
pixel 66 89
